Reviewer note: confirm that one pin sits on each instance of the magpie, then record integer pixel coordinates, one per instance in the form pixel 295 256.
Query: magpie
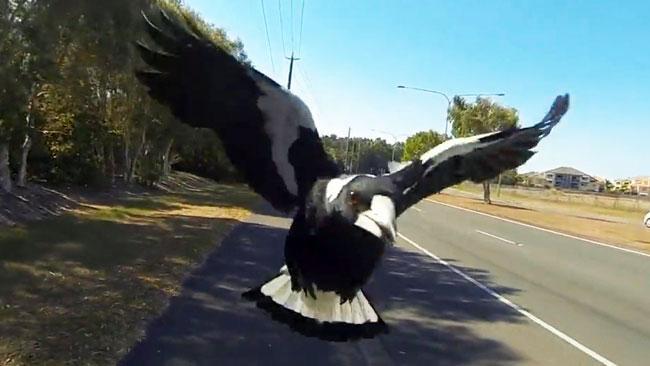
pixel 342 224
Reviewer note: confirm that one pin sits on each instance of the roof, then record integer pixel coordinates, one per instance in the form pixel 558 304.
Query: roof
pixel 566 170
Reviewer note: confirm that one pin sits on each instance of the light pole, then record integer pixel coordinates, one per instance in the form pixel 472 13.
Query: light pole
pixel 394 141
pixel 449 99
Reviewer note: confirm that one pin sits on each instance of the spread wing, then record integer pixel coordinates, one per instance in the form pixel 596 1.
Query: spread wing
pixel 477 158
pixel 268 133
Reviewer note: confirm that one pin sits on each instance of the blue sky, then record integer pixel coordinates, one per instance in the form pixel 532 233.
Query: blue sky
pixel 354 54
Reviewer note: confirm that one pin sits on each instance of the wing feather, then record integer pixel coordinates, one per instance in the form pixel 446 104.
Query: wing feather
pixel 476 158
pixel 260 124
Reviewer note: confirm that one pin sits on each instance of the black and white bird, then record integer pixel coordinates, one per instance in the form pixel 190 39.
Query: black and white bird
pixel 342 224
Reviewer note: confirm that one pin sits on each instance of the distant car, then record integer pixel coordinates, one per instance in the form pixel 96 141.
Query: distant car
pixel 646 220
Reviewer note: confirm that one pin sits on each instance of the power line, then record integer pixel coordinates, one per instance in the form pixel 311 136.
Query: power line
pixel 302 17
pixel 307 88
pixel 284 50
pixel 292 48
pixel 268 39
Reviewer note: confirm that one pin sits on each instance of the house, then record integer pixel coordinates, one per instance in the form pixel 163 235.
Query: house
pixel 570 178
pixel 641 185
pixel 636 185
pixel 534 179
pixel 623 185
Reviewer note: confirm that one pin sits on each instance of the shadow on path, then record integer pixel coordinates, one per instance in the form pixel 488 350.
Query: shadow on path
pixel 424 304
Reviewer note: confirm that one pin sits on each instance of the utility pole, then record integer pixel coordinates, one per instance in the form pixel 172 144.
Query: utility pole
pixel 292 59
pixel 347 149
pixel 358 155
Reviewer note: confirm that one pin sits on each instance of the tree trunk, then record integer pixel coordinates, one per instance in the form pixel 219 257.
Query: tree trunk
pixel 127 157
pixel 24 153
pixel 110 163
pixel 27 143
pixel 167 165
pixel 499 186
pixel 137 154
pixel 5 173
pixel 486 192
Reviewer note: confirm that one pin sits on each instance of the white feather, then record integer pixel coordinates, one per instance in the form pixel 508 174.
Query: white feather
pixel 335 185
pixel 281 294
pixel 454 147
pixel 368 224
pixel 369 312
pixel 346 312
pixel 395 166
pixel 284 113
pixel 326 307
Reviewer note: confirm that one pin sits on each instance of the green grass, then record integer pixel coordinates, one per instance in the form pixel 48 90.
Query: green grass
pixel 79 288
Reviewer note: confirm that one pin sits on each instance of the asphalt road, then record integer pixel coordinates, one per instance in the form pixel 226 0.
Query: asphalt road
pixel 563 301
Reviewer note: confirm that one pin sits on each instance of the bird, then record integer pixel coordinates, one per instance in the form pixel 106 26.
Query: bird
pixel 342 224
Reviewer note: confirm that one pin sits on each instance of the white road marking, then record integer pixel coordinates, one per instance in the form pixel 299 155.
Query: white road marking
pixel 500 238
pixel 416 209
pixel 541 228
pixel 591 353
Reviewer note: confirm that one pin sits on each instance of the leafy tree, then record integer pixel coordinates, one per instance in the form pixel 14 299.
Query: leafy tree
pixel 361 155
pixel 509 178
pixel 480 117
pixel 69 95
pixel 420 143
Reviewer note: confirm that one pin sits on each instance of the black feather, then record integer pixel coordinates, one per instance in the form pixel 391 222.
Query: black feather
pixel 159 60
pixel 162 39
pixel 207 87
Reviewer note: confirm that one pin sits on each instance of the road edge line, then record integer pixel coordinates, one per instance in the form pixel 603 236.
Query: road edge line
pixel 558 333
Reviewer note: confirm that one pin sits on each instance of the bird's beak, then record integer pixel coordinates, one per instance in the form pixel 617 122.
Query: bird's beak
pixel 380 219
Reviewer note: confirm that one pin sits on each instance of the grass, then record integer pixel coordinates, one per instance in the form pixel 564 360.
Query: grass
pixel 619 226
pixel 625 209
pixel 79 288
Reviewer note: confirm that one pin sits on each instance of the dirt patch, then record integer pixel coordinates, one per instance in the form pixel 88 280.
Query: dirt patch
pixel 578 222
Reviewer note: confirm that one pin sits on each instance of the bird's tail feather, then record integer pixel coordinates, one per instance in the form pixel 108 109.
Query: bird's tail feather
pixel 323 315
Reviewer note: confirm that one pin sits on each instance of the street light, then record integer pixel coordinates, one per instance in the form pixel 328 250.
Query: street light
pixel 394 141
pixel 449 99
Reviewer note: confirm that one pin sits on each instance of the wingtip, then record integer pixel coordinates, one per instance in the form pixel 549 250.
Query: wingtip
pixel 562 103
pixel 558 109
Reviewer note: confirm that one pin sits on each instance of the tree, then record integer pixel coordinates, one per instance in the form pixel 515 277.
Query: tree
pixel 14 17
pixel 480 117
pixel 68 92
pixel 420 143
pixel 374 156
pixel 509 178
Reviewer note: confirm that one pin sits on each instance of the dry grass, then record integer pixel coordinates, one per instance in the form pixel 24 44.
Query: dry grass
pixel 79 288
pixel 611 226
pixel 623 208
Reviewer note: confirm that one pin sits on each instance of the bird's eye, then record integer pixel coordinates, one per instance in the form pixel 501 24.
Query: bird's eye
pixel 353 197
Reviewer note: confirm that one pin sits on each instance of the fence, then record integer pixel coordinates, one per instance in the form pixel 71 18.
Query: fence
pixel 608 200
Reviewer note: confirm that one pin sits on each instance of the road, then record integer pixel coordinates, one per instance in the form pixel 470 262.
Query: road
pixel 458 288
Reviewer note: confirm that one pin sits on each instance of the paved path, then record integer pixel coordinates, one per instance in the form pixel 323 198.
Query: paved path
pixel 596 296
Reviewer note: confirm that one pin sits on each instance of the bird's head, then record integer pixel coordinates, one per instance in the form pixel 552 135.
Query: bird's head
pixel 365 202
